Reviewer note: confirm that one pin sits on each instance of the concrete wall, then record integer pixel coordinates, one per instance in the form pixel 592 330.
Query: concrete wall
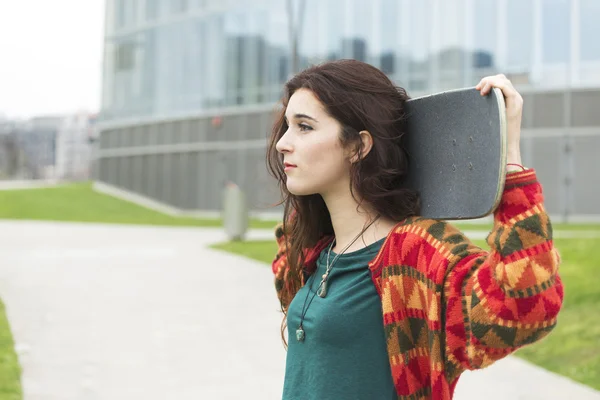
pixel 186 162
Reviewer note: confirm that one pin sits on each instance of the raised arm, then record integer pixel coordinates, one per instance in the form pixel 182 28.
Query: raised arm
pixel 495 302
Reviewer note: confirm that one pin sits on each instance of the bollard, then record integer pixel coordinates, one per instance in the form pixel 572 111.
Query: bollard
pixel 235 212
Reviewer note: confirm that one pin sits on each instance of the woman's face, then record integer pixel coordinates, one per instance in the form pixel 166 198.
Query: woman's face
pixel 312 146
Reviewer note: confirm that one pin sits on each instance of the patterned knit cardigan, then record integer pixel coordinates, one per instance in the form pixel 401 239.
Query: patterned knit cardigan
pixel 449 306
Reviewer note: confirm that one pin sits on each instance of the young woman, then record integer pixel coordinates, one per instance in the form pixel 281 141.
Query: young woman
pixel 379 303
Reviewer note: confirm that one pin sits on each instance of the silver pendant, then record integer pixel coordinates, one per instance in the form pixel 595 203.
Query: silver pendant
pixel 300 334
pixel 322 292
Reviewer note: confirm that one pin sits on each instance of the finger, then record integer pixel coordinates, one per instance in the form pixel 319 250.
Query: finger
pixel 483 81
pixel 481 84
pixel 501 82
pixel 487 86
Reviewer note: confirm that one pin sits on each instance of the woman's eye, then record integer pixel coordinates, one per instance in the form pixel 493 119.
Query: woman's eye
pixel 304 127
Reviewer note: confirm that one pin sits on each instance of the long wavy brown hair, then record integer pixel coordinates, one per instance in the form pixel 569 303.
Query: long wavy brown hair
pixel 360 97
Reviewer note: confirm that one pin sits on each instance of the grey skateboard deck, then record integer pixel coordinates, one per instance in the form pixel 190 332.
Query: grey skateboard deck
pixel 456 141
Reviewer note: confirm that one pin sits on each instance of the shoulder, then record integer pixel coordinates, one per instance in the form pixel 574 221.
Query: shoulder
pixel 430 230
pixel 426 245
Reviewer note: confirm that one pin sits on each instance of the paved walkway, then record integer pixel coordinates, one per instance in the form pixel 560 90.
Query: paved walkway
pixel 27 184
pixel 105 312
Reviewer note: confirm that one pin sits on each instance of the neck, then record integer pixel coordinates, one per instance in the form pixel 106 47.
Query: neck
pixel 349 220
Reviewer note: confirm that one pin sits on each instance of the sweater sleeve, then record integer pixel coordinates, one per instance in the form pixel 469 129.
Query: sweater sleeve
pixel 279 265
pixel 280 260
pixel 499 300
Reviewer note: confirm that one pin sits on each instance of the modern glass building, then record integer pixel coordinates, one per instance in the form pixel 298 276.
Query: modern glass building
pixel 171 66
pixel 165 57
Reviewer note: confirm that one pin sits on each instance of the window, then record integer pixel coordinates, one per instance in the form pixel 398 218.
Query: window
pixel 125 56
pixel 420 48
pixel 178 6
pixel 555 31
pixel 278 48
pixel 198 4
pixel 236 46
pixel 357 45
pixel 450 55
pixel 388 26
pixel 125 13
pixel 589 30
pixel 120 10
pixel 309 31
pixel 484 33
pixel 335 28
pixel 519 26
pixel 151 10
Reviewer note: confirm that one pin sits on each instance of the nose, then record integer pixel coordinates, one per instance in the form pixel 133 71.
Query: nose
pixel 283 144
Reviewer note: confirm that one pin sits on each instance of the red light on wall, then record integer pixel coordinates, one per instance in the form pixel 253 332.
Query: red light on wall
pixel 216 122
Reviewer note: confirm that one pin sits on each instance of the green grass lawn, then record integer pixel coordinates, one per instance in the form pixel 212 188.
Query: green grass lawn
pixel 573 348
pixel 80 203
pixel 10 371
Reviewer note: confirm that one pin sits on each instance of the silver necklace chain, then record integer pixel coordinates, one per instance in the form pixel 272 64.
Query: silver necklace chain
pixel 322 288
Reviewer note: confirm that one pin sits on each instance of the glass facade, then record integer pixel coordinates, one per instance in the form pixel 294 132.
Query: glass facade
pixel 169 57
pixel 520 36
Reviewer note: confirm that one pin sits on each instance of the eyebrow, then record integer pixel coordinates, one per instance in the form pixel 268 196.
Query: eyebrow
pixel 301 116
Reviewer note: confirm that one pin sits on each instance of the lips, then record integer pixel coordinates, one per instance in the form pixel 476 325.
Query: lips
pixel 289 165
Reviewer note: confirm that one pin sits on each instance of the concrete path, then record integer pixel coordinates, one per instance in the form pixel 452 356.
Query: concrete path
pixel 27 184
pixel 105 312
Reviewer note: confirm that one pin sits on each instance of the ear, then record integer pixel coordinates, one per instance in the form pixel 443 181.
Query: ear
pixel 367 145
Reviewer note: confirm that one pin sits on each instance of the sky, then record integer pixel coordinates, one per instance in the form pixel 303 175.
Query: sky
pixel 50 56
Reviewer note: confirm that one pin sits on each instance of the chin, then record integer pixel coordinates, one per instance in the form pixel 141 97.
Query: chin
pixel 300 190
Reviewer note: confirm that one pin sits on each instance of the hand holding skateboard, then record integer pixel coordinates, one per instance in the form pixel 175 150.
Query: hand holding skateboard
pixel 514 113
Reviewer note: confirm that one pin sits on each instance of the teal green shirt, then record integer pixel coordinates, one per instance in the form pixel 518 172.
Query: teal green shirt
pixel 344 353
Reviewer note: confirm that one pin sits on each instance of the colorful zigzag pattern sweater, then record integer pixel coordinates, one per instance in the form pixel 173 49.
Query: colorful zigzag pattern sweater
pixel 449 306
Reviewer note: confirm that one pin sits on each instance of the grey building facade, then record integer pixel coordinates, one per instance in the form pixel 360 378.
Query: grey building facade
pixel 190 87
